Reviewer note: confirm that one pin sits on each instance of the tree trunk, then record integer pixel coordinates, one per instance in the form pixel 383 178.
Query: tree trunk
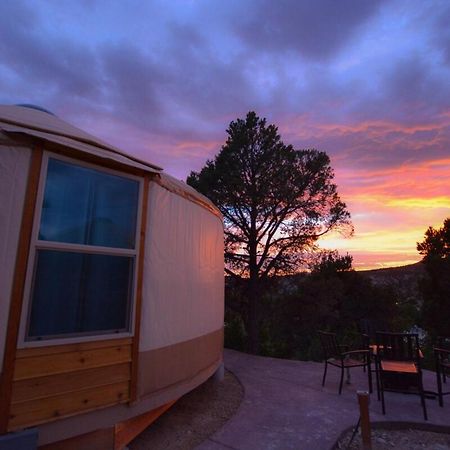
pixel 253 291
pixel 253 317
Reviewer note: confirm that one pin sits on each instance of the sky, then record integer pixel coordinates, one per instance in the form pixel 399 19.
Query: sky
pixel 366 81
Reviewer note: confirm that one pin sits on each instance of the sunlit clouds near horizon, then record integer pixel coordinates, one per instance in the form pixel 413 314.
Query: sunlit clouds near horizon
pixel 366 81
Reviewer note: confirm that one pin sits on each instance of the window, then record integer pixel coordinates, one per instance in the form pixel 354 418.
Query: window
pixel 84 252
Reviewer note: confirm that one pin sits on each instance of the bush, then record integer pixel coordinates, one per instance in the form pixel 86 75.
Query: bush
pixel 234 332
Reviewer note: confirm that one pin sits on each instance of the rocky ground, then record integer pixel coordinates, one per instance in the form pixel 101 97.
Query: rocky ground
pixel 194 417
pixel 407 439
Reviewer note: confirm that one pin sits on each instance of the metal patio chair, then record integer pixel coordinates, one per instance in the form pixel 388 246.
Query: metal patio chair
pixel 335 355
pixel 442 364
pixel 368 329
pixel 398 364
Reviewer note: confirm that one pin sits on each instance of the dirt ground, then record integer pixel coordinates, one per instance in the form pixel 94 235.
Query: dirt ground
pixel 194 417
pixel 408 439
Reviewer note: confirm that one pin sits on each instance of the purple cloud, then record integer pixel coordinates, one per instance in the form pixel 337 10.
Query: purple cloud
pixel 314 30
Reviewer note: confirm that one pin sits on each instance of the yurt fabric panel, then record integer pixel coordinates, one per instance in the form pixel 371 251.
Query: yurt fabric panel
pixel 14 166
pixel 183 285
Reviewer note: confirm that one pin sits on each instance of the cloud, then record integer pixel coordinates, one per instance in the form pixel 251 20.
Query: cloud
pixel 441 35
pixel 314 30
pixel 195 67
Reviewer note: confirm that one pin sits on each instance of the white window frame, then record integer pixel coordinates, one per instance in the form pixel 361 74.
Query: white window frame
pixel 37 244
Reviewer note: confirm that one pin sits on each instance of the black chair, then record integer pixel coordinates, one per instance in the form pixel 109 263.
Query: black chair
pixel 369 327
pixel 366 344
pixel 398 364
pixel 335 355
pixel 442 362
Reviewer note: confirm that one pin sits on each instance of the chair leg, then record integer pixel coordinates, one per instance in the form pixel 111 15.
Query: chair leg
pixel 439 385
pixel 369 371
pixel 342 380
pixel 422 399
pixel 377 377
pixel 383 409
pixel 324 373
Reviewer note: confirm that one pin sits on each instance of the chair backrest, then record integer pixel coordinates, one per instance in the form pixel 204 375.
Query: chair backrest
pixel 369 327
pixel 329 343
pixel 365 341
pixel 442 356
pixel 398 346
pixel 443 342
pixel 442 350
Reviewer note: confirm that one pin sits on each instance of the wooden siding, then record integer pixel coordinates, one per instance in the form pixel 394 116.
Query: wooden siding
pixel 60 381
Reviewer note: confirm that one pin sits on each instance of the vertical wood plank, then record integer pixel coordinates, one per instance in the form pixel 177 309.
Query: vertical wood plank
pixel 363 400
pixel 138 307
pixel 15 308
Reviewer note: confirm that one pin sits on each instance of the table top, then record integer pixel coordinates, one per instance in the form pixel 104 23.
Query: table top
pixel 374 349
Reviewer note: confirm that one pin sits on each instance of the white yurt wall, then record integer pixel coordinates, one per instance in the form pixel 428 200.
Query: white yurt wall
pixel 183 271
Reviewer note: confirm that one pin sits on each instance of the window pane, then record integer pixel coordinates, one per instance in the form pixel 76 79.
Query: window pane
pixel 80 293
pixel 86 206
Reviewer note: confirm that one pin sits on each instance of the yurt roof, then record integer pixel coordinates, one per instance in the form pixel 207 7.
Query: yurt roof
pixel 37 122
pixel 184 190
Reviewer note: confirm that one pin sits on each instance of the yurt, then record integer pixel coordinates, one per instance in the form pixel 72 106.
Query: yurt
pixel 111 287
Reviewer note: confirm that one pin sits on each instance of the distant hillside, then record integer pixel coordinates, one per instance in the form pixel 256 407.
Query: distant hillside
pixel 404 280
pixel 411 271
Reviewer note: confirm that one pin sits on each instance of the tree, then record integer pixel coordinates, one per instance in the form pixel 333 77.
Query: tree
pixel 331 262
pixel 436 245
pixel 435 249
pixel 276 202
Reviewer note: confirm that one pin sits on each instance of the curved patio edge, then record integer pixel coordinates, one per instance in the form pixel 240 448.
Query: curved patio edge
pixel 285 407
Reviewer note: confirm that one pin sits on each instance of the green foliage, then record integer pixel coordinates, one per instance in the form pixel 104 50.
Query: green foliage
pixel 435 286
pixel 331 262
pixel 234 331
pixel 436 245
pixel 296 307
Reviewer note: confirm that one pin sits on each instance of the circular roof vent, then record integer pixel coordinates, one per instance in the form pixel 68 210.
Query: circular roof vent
pixel 38 108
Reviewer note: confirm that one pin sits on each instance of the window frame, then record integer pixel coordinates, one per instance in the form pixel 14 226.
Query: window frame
pixel 36 244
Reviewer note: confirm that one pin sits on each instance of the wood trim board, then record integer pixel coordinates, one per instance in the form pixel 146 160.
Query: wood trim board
pixel 15 308
pixel 138 303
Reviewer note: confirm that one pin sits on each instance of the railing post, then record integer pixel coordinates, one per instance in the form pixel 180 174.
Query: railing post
pixel 363 400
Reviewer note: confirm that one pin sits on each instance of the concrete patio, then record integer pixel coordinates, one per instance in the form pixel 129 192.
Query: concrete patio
pixel 285 406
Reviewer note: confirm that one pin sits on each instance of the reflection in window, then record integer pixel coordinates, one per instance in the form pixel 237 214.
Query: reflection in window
pixel 79 292
pixel 86 206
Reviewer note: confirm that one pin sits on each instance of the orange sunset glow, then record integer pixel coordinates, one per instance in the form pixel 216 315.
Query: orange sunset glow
pixel 391 209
